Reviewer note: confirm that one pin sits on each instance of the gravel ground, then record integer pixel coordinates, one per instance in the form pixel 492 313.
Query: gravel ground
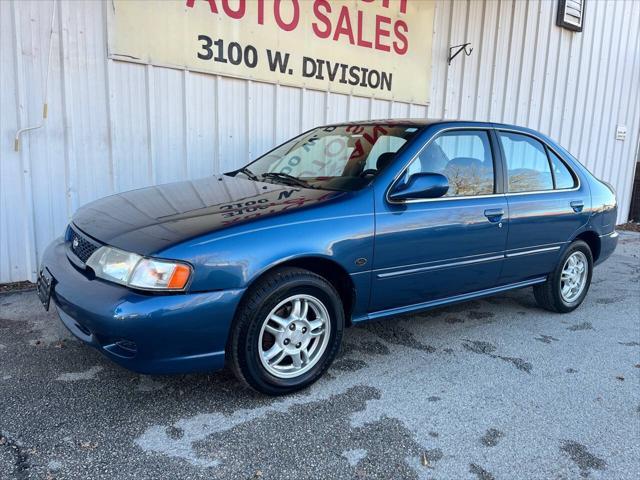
pixel 495 388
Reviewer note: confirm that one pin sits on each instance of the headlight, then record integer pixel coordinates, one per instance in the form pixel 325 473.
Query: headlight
pixel 135 271
pixel 160 274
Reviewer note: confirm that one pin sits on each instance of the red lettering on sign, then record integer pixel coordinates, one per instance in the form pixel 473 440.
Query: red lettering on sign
pixel 382 32
pixel 260 12
pixel 238 13
pixel 385 4
pixel 287 27
pixel 212 5
pixel 389 34
pixel 361 41
pixel 322 17
pixel 344 26
pixel 401 46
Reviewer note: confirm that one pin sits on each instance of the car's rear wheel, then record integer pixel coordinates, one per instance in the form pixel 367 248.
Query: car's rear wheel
pixel 287 331
pixel 567 286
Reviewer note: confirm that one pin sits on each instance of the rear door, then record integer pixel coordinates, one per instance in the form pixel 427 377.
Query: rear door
pixel 547 205
pixel 430 249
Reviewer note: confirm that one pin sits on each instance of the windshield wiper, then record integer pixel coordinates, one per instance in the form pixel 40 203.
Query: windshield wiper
pixel 249 174
pixel 288 179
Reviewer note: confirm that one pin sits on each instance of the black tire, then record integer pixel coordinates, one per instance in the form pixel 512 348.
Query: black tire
pixel 242 348
pixel 548 295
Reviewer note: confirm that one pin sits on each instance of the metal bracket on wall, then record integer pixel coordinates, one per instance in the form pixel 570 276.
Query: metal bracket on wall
pixel 461 48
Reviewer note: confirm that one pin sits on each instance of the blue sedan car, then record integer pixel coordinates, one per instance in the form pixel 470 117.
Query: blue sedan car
pixel 262 268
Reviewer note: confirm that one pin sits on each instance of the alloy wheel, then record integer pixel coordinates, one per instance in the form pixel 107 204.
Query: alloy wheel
pixel 294 336
pixel 573 278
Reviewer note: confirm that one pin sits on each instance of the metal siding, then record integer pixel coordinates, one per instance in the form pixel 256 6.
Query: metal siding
pixel 14 218
pixel 115 126
pixel 201 123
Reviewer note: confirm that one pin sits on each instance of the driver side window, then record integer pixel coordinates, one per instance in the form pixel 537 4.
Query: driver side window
pixel 464 157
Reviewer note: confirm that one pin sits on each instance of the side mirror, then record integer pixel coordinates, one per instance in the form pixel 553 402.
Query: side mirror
pixel 420 185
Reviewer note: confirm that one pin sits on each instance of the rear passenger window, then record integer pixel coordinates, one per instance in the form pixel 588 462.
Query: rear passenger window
pixel 464 157
pixel 527 163
pixel 562 174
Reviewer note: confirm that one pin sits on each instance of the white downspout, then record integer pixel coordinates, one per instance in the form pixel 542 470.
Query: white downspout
pixel 45 106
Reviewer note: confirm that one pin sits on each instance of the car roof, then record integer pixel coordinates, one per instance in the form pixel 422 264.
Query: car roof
pixel 418 122
pixel 425 122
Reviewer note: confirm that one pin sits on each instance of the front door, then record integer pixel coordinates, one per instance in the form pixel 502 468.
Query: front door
pixel 436 248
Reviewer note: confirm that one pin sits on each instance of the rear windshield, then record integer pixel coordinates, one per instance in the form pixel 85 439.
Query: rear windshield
pixel 344 157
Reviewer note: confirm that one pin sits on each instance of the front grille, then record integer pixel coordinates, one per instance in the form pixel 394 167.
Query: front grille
pixel 81 245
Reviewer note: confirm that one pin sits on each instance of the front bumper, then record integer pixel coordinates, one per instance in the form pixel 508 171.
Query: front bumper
pixel 146 333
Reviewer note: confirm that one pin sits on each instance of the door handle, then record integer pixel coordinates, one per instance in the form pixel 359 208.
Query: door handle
pixel 577 205
pixel 494 214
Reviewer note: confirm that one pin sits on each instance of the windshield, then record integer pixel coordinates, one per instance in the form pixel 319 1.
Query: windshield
pixel 344 157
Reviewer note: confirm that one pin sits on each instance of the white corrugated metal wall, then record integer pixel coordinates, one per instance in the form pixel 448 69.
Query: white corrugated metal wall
pixel 114 126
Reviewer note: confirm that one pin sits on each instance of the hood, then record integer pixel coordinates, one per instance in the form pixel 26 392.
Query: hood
pixel 150 219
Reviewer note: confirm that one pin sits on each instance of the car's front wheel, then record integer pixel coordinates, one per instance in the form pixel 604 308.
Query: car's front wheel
pixel 567 285
pixel 287 331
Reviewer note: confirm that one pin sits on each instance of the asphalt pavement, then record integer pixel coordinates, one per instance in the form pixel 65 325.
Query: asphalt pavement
pixel 494 388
